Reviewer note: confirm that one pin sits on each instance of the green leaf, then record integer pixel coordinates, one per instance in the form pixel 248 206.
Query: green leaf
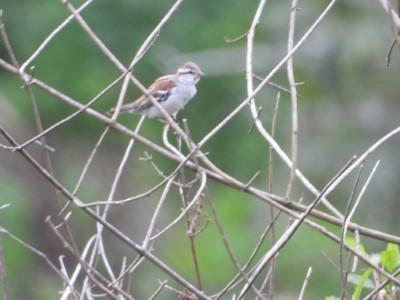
pixel 331 298
pixel 362 283
pixel 356 279
pixel 390 257
pixel 352 242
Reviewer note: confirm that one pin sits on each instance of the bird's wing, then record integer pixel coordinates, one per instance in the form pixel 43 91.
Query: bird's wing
pixel 160 90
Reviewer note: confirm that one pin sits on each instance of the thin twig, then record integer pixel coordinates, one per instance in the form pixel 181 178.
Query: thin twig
pixel 236 39
pixel 275 85
pixel 89 160
pixel 38 253
pixel 140 53
pixel 380 286
pixel 117 233
pixel 218 176
pixel 293 93
pixel 389 53
pixel 66 293
pixel 191 221
pixel 130 269
pixel 98 248
pixel 51 36
pixel 344 271
pixel 69 118
pixel 286 236
pixel 240 269
pixel 149 255
pixel 203 181
pixel 271 288
pixel 254 123
pixel 252 256
pixel 4 206
pixel 356 203
pixel 394 18
pixel 215 174
pixel 303 288
pixel 39 128
pixel 91 273
pixel 159 289
pixel 3 272
pixel 93 276
pixel 350 215
pixel 258 123
pixel 156 213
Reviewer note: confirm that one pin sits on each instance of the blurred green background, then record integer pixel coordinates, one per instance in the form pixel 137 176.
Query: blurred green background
pixel 349 100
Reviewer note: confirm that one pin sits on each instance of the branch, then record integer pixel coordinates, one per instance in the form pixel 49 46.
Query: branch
pixel 118 234
pixel 293 93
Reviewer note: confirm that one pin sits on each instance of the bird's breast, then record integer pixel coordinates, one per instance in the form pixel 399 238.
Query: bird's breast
pixel 186 92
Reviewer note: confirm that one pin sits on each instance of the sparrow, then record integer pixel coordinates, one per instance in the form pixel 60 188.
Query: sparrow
pixel 171 91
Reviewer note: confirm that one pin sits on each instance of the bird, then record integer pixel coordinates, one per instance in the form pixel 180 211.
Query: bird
pixel 173 92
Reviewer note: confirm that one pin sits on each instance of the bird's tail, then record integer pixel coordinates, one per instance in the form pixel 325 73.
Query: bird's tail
pixel 127 108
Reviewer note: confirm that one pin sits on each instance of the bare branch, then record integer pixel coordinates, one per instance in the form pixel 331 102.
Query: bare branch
pixel 252 264
pixel 3 272
pixel 293 93
pixel 303 288
pixel 51 37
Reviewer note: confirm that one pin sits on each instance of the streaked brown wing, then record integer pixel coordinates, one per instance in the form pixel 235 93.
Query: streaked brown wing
pixel 160 89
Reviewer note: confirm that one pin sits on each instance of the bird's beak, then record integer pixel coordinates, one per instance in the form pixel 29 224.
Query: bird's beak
pixel 200 74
